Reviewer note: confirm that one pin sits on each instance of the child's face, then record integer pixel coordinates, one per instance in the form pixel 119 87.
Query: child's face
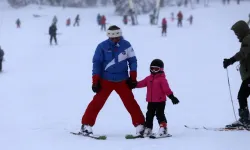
pixel 155 69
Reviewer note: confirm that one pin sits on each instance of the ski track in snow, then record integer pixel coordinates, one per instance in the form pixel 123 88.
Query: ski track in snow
pixel 46 89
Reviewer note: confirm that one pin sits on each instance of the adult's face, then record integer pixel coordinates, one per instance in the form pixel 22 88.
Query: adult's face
pixel 115 39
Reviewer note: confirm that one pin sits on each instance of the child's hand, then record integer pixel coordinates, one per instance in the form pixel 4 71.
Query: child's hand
pixel 174 99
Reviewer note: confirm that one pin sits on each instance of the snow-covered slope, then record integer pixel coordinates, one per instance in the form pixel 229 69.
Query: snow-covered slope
pixel 45 90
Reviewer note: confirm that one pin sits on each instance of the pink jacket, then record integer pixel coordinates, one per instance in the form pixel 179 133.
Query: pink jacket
pixel 157 87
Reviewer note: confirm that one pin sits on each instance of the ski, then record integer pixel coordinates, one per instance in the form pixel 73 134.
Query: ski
pixel 131 136
pixel 97 137
pixel 217 129
pixel 155 136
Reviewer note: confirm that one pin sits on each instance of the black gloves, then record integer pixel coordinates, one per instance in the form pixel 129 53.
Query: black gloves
pixel 131 83
pixel 96 87
pixel 174 99
pixel 228 62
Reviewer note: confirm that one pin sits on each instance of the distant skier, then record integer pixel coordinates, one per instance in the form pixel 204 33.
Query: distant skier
pixel 157 90
pixel 164 27
pixel 172 16
pixel 190 19
pixel 99 17
pixel 151 19
pixel 52 33
pixel 68 22
pixel 125 19
pixel 103 23
pixel 18 23
pixel 185 3
pixel 111 61
pixel 54 20
pixel 1 58
pixel 77 20
pixel 180 18
pixel 242 31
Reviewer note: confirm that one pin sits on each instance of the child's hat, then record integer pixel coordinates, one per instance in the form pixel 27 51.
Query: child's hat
pixel 158 63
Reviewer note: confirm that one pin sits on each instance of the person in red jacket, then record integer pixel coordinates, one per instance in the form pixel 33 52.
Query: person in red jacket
pixel 68 22
pixel 103 23
pixel 164 27
pixel 157 90
pixel 180 18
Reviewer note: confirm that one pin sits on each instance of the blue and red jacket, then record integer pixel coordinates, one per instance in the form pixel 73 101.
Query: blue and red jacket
pixel 111 61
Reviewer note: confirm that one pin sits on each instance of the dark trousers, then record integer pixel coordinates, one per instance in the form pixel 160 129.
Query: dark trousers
pixel 155 108
pixel 76 23
pixel 1 60
pixel 53 37
pixel 244 93
pixel 164 30
pixel 179 23
pixel 103 27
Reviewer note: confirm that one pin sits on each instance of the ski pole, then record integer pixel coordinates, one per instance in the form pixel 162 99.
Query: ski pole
pixel 231 95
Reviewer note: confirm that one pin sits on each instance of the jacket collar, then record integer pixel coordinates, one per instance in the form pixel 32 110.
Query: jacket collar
pixel 114 44
pixel 158 75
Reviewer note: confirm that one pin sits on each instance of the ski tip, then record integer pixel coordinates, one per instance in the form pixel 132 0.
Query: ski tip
pixel 130 136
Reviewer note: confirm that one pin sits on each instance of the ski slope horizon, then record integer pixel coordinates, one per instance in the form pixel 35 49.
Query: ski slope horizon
pixel 46 89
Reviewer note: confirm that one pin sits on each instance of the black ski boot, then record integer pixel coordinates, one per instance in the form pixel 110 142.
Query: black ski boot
pixel 243 122
pixel 86 130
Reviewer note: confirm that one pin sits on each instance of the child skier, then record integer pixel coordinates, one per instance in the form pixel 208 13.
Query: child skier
pixel 164 27
pixel 157 90
pixel 68 22
pixel 18 23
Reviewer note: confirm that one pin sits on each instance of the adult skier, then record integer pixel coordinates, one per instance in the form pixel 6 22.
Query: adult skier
pixel 180 18
pixel 1 58
pixel 52 33
pixel 242 32
pixel 190 19
pixel 77 20
pixel 110 72
pixel 54 20
pixel 99 17
pixel 103 23
pixel 18 23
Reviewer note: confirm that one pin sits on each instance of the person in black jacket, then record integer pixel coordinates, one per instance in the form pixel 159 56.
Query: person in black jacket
pixel 52 33
pixel 1 58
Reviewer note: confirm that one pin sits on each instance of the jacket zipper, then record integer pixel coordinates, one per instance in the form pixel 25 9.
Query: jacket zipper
pixel 152 88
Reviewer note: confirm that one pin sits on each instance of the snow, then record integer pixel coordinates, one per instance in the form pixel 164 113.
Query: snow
pixel 46 89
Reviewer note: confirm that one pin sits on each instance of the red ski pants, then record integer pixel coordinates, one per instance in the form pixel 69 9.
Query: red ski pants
pixel 100 98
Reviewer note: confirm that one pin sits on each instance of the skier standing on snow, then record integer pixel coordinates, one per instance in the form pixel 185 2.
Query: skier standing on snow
pixel 1 58
pixel 52 33
pixel 172 16
pixel 164 27
pixel 68 22
pixel 103 23
pixel 157 90
pixel 99 17
pixel 190 19
pixel 180 18
pixel 18 23
pixel 110 72
pixel 77 20
pixel 54 20
pixel 125 19
pixel 242 31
